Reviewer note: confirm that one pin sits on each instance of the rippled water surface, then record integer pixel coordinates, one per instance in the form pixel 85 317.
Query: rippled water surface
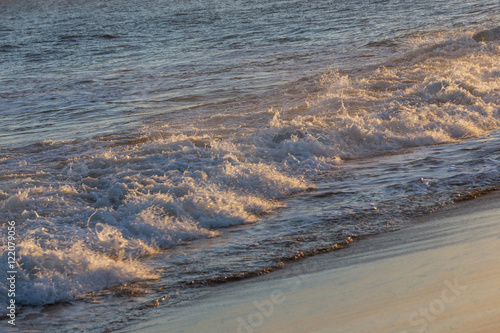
pixel 149 149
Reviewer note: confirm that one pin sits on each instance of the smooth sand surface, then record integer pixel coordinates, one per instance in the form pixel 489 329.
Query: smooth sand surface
pixel 442 274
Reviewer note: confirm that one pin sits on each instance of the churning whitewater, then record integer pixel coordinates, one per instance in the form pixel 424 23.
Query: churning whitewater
pixel 90 211
pixel 135 177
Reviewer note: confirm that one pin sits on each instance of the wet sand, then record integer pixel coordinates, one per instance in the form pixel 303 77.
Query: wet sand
pixel 442 274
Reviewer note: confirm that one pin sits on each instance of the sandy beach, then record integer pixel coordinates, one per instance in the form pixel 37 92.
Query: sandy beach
pixel 442 274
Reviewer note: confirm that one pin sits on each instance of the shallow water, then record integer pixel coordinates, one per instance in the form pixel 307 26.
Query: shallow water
pixel 148 151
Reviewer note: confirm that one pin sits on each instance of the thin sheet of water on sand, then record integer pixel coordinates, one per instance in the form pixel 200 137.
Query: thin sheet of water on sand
pixel 440 275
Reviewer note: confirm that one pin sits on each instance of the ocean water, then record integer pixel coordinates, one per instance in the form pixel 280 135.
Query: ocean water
pixel 150 149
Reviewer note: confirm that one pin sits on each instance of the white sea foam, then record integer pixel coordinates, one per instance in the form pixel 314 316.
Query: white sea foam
pixel 50 272
pixel 85 223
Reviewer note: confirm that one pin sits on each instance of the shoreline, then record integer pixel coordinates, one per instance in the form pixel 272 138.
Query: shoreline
pixel 439 274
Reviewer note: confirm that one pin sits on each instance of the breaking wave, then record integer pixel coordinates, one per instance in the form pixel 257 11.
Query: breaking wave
pixel 88 212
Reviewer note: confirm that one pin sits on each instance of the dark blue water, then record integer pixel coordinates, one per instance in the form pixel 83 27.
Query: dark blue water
pixel 148 149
